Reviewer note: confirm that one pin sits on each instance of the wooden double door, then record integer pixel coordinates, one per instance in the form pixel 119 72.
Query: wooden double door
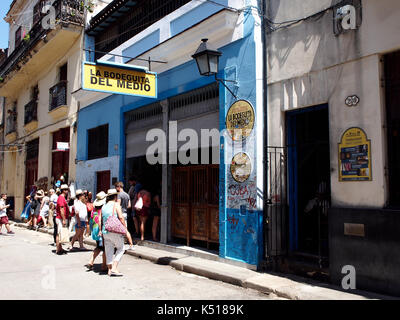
pixel 195 203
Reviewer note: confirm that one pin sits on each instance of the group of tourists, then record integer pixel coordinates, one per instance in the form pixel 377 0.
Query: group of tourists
pixel 107 218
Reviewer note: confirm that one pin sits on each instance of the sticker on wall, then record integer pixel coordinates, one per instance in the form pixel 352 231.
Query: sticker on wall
pixel 355 156
pixel 240 120
pixel 352 101
pixel 240 167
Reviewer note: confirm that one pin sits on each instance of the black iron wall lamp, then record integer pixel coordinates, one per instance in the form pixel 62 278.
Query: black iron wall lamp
pixel 207 60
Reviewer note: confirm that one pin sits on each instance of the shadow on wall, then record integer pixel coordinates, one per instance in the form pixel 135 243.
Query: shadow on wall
pixel 300 56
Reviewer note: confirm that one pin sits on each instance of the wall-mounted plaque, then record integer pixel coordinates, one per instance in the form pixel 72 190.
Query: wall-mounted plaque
pixel 355 156
pixel 240 167
pixel 240 120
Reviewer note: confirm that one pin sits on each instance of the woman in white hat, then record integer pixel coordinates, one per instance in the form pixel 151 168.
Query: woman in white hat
pixel 112 240
pixel 95 227
pixel 80 218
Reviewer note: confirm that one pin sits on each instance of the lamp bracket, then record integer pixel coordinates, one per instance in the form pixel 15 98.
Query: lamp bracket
pixel 223 83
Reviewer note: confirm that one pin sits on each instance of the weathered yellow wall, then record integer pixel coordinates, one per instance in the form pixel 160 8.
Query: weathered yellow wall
pixel 14 169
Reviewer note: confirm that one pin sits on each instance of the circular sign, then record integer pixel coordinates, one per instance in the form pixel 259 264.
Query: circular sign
pixel 240 120
pixel 241 167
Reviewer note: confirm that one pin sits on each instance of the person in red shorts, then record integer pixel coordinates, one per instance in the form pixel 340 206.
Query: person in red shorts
pixel 143 209
pixel 62 216
pixel 3 214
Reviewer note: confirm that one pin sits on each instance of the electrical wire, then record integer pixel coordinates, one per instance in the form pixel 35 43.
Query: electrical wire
pixel 274 26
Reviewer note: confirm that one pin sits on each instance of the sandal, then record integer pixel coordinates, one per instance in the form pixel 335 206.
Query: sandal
pixel 89 266
pixel 115 274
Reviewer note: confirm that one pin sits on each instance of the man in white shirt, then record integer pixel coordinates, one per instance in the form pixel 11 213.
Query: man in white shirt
pixel 80 218
pixel 3 214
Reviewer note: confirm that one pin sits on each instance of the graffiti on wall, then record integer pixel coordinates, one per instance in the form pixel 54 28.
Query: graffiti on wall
pixel 242 194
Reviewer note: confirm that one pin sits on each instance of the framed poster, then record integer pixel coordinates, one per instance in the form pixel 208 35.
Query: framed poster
pixel 355 156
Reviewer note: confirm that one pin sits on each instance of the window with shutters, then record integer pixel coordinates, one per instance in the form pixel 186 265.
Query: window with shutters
pixel 98 142
pixel 18 37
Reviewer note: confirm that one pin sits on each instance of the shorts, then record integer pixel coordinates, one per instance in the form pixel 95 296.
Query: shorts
pixel 144 212
pixel 155 212
pixel 4 220
pixel 59 225
pixel 100 244
pixel 44 214
pixel 81 225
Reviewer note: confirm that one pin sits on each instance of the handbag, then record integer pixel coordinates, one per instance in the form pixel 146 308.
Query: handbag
pixel 64 235
pixel 139 204
pixel 113 224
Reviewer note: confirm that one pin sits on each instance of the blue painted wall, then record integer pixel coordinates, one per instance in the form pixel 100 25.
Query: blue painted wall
pixel 241 234
pixel 192 17
pixel 152 40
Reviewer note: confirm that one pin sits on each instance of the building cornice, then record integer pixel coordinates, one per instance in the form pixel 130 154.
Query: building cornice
pixel 15 7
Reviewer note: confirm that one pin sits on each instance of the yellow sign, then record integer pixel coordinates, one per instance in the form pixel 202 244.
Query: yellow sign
pixel 119 79
pixel 240 120
pixel 355 156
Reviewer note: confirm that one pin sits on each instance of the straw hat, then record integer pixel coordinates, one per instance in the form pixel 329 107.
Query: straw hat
pixel 112 192
pixel 64 186
pixel 40 194
pixel 78 192
pixel 100 199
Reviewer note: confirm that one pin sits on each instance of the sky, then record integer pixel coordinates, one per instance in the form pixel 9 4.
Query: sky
pixel 4 7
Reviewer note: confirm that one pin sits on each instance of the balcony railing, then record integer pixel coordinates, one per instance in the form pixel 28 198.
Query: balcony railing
pixel 58 95
pixel 135 19
pixel 11 124
pixel 30 112
pixel 67 12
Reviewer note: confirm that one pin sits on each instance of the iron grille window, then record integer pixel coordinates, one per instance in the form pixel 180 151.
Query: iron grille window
pixel 30 111
pixel 98 142
pixel 58 95
pixel 32 149
pixel 137 19
pixel 11 125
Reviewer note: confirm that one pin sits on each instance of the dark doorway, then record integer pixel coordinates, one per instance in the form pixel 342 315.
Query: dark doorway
pixel 149 176
pixel 309 183
pixel 392 85
pixel 31 165
pixel 60 159
pixel 103 181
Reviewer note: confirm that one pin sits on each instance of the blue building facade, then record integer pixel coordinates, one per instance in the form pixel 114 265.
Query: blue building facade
pixel 231 26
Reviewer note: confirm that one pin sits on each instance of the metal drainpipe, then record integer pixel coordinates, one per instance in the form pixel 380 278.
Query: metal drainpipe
pixel 265 124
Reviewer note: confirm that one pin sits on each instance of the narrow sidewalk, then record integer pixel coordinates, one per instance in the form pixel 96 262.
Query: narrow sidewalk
pixel 295 288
